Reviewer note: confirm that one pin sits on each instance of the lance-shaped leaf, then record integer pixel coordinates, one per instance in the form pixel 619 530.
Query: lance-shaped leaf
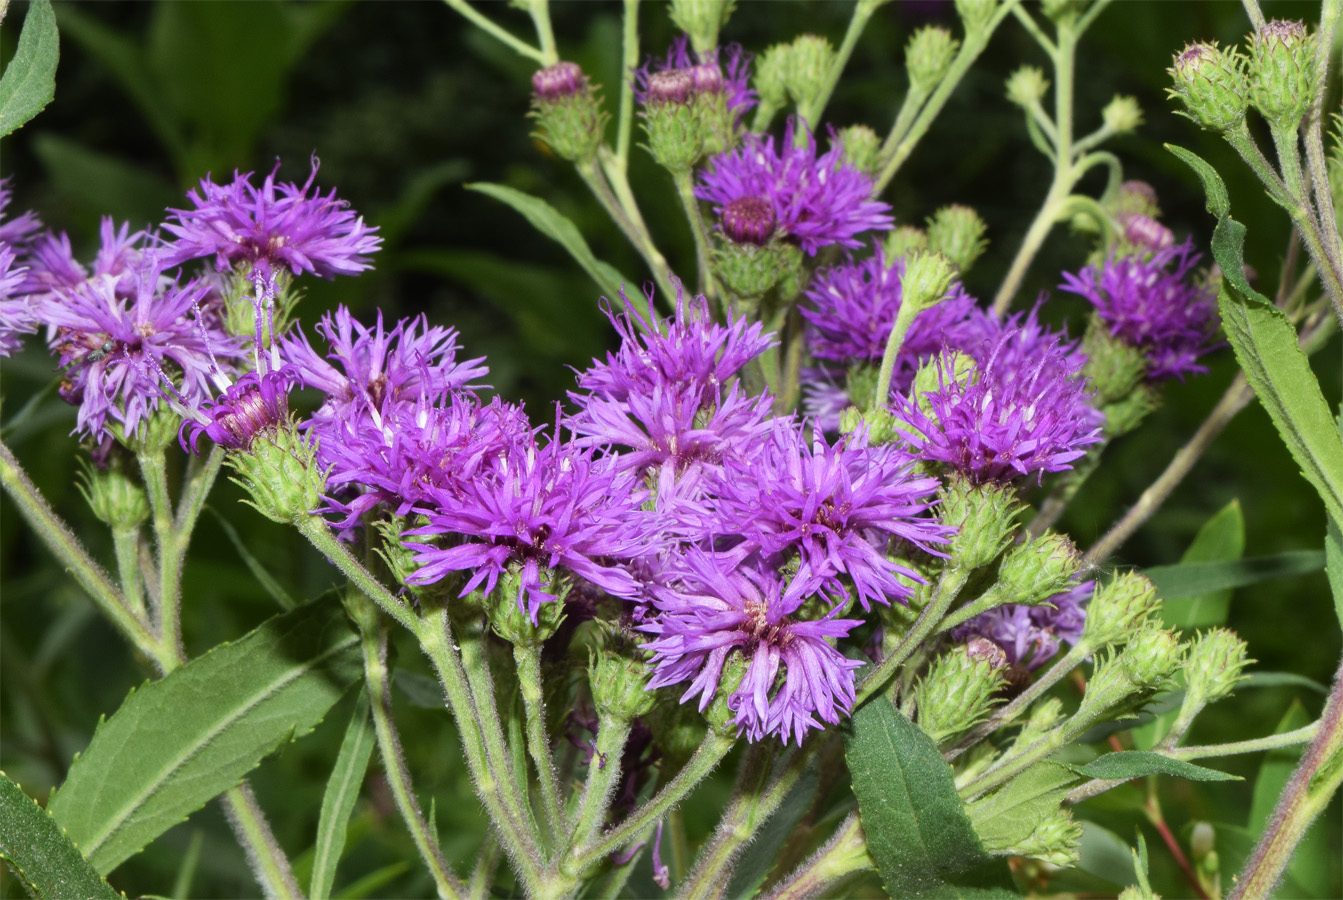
pixel 179 741
pixel 39 854
pixel 1192 579
pixel 916 827
pixel 342 790
pixel 29 81
pixel 1127 764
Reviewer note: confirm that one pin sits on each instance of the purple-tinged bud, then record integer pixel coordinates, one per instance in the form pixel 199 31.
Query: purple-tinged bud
pixel 1284 72
pixel 564 79
pixel 1144 232
pixel 981 648
pixel 708 78
pixel 1212 85
pixel 568 111
pixel 672 86
pixel 749 220
pixel 672 121
pixel 1137 197
pixel 956 694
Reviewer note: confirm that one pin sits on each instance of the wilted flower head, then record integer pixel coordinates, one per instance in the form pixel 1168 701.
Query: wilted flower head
pixel 1153 304
pixel 817 200
pixel 1030 635
pixel 271 228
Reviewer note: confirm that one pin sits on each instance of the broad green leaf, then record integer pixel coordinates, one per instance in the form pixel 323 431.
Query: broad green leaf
pixel 1105 854
pixel 43 858
pixel 916 826
pixel 1194 579
pixel 1219 202
pixel 342 790
pixel 179 741
pixel 29 82
pixel 1128 764
pixel 759 857
pixel 1220 540
pixel 548 220
pixel 1007 817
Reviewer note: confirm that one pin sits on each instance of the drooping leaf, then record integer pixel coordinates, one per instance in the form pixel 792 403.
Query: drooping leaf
pixel 29 82
pixel 548 220
pixel 342 790
pixel 1007 817
pixel 1220 540
pixel 42 857
pixel 916 826
pixel 179 741
pixel 1128 764
pixel 1194 579
pixel 1219 202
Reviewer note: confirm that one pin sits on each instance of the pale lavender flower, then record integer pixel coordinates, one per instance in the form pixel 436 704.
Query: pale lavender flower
pixel 1030 636
pixel 1152 303
pixel 817 200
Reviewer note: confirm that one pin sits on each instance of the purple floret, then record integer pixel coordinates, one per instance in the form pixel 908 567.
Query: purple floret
pixel 254 405
pixel 17 316
pixel 272 228
pixel 1031 635
pixel 817 200
pixel 707 75
pixel 715 607
pixel 1152 303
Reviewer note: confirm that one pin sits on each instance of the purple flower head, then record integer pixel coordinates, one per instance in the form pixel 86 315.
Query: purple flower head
pixel 256 404
pixel 272 228
pixel 836 506
pixel 563 79
pixel 716 607
pixel 852 306
pixel 121 337
pixel 699 75
pixel 1030 635
pixel 17 316
pixel 538 507
pixel 121 253
pixel 817 200
pixel 375 365
pixel 1152 303
pixel 18 231
pixel 1006 415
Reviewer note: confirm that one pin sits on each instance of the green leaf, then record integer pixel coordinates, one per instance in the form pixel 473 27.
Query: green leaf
pixel 1007 817
pixel 1104 854
pixel 420 690
pixel 1194 579
pixel 179 741
pixel 342 790
pixel 29 82
pixel 259 572
pixel 40 854
pixel 547 220
pixel 1220 540
pixel 1281 679
pixel 1129 764
pixel 1219 202
pixel 916 826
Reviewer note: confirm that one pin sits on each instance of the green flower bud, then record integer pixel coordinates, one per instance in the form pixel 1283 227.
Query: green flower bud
pixel 927 278
pixel 882 427
pixel 672 120
pixel 115 498
pixel 771 75
pixel 957 232
pixel 1055 840
pixel 1202 841
pixel 568 113
pixel 859 146
pixel 1284 75
pixel 1045 717
pixel 1211 84
pixel 701 19
pixel 154 433
pixel 1122 114
pixel 1114 366
pixel 1126 414
pixel 513 623
pixel 905 240
pixel 749 270
pixel 1058 10
pixel 1137 892
pixel 976 14
pixel 280 472
pixel 1214 665
pixel 1151 656
pixel 1138 198
pixel 957 692
pixel 1033 572
pixel 678 730
pixel 1026 86
pixel 809 68
pixel 985 516
pixel 928 56
pixel 396 556
pixel 619 685
pixel 1119 608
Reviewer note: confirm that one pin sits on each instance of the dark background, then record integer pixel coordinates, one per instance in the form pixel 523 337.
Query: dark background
pixel 405 103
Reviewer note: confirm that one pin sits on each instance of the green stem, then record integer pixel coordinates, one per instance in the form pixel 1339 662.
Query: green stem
pixel 1315 158
pixel 267 859
pixel 949 584
pixel 169 608
pixel 886 374
pixel 685 190
pixel 603 774
pixel 636 234
pixel 315 529
pixel 841 856
pixel 629 60
pixel 1241 141
pixel 374 642
pixel 1033 29
pixel 528 660
pixel 467 11
pixel 862 12
pixel 483 874
pixel 126 545
pixel 540 11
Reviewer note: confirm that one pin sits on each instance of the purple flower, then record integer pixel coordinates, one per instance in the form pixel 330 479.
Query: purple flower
pixel 836 506
pixel 1009 414
pixel 272 228
pixel 256 404
pixel 1150 302
pixel 717 607
pixel 704 74
pixel 18 231
pixel 375 365
pixel 121 336
pixel 1030 635
pixel 17 316
pixel 817 200
pixel 538 507
pixel 53 267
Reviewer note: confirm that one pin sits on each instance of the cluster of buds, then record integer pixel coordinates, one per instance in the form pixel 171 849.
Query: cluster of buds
pixel 799 70
pixel 568 112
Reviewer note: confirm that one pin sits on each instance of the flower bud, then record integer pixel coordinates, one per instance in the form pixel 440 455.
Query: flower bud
pixel 1137 197
pixel 396 556
pixel 1114 366
pixel 976 14
pixel 859 146
pixel 1033 572
pixel 568 112
pixel 1026 86
pixel 957 232
pixel 1122 114
pixel 1151 656
pixel 928 56
pixel 879 423
pixel 957 692
pixel 1119 608
pixel 1138 892
pixel 702 20
pixel 1126 414
pixel 749 270
pixel 984 516
pixel 672 121
pixel 154 432
pixel 279 469
pixel 1142 233
pixel 509 618
pixel 749 220
pixel 115 498
pixel 1055 840
pixel 771 76
pixel 1202 841
pixel 926 280
pixel 808 70
pixel 904 240
pixel 619 685
pixel 1058 10
pixel 1214 665
pixel 1284 75
pixel 1211 84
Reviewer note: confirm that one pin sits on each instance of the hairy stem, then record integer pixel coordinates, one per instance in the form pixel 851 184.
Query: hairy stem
pixel 862 12
pixel 267 859
pixel 949 585
pixel 841 856
pixel 528 660
pixel 467 11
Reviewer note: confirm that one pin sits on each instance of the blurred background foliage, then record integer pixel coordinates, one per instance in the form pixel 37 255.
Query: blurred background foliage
pixel 404 104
